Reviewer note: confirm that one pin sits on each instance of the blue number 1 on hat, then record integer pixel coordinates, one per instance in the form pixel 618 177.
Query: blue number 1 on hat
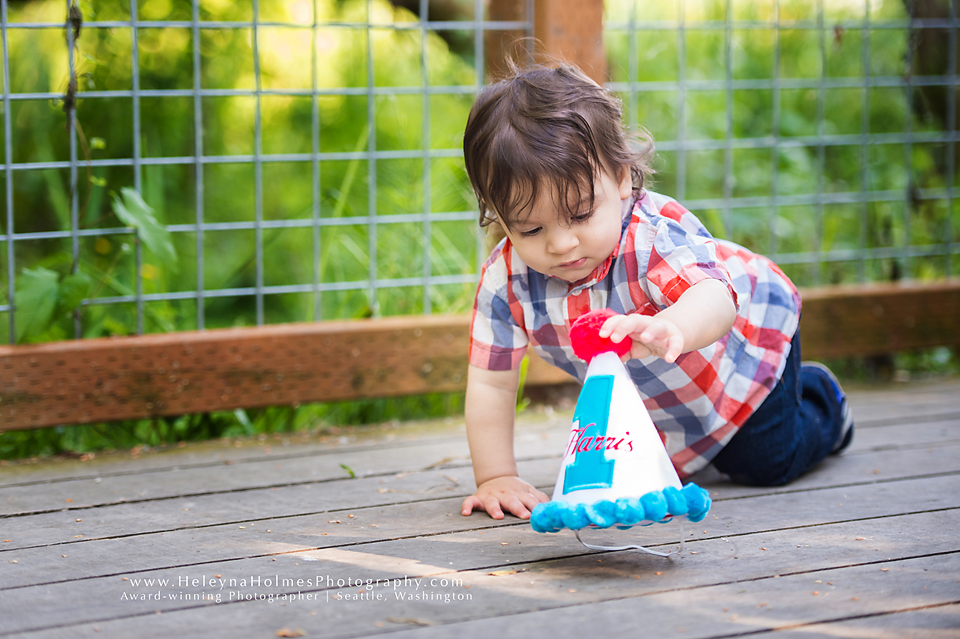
pixel 590 468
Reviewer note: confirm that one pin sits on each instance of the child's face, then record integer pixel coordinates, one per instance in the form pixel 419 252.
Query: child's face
pixel 546 243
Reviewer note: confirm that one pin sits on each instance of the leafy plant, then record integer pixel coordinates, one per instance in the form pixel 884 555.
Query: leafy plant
pixel 133 211
pixel 43 296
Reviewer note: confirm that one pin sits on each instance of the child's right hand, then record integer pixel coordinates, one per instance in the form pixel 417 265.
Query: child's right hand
pixel 651 335
pixel 504 493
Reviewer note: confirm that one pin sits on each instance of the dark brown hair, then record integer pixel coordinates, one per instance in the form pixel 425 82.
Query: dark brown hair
pixel 550 129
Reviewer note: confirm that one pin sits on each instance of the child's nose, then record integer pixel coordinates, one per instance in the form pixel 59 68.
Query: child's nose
pixel 562 241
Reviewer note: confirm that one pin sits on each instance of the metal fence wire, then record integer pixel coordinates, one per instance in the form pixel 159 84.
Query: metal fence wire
pixel 819 133
pixel 822 136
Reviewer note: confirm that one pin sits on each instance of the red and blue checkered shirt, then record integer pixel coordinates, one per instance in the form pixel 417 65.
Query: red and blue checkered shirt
pixel 699 401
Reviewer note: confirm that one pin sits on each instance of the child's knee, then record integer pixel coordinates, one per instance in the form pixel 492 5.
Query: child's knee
pixel 763 471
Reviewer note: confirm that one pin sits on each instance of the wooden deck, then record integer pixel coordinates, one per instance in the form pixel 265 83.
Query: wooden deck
pixel 864 546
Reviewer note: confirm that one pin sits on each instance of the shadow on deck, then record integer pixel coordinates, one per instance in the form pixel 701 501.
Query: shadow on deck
pixel 276 538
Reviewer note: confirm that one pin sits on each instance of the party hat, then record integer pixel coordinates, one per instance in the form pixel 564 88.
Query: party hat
pixel 615 470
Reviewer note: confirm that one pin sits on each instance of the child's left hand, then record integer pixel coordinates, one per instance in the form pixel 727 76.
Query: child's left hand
pixel 651 335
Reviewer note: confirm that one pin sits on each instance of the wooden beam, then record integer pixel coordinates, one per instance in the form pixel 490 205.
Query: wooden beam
pixel 84 381
pixel 76 382
pixel 883 318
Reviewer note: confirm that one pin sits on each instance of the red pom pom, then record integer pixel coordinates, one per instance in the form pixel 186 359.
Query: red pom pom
pixel 586 341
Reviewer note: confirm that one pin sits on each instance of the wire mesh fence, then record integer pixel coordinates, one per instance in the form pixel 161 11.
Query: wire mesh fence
pixel 186 165
pixel 822 134
pixel 302 157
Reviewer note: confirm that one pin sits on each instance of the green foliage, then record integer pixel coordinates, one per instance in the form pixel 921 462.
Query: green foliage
pixel 73 290
pixel 42 199
pixel 46 302
pixel 523 402
pixel 323 418
pixel 922 364
pixel 38 291
pixel 133 211
pixel 53 282
pixel 42 296
pixel 799 166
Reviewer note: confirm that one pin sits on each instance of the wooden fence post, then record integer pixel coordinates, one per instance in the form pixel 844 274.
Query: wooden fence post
pixel 572 31
pixel 500 46
pixel 563 30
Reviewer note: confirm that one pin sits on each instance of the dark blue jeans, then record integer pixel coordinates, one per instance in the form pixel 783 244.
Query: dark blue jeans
pixel 791 431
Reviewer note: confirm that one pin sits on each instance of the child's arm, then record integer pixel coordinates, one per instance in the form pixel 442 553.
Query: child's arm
pixel 703 314
pixel 490 409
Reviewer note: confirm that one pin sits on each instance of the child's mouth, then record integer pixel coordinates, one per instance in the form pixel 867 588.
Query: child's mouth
pixel 574 264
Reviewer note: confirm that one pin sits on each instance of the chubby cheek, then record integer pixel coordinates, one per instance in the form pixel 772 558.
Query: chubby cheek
pixel 531 253
pixel 607 241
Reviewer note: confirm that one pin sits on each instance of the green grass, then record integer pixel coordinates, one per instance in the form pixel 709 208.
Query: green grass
pixel 128 434
pixel 918 365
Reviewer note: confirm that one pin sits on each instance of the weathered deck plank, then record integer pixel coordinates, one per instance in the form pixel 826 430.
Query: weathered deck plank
pixel 929 622
pixel 140 516
pixel 935 444
pixel 215 506
pixel 38 496
pixel 572 587
pixel 873 524
pixel 234 549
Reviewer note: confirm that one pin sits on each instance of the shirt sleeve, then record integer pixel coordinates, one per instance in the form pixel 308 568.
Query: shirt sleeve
pixel 680 258
pixel 498 340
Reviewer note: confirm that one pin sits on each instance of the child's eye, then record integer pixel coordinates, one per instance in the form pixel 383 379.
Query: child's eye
pixel 530 232
pixel 582 217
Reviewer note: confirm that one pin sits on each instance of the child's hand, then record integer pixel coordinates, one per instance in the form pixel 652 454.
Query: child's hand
pixel 504 493
pixel 651 335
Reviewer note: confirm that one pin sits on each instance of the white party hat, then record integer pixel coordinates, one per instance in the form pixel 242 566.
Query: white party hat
pixel 615 470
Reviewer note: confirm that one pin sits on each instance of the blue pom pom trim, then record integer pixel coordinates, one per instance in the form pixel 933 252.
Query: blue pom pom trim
pixel 659 506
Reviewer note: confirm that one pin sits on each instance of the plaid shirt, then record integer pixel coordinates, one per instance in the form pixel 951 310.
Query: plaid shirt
pixel 698 402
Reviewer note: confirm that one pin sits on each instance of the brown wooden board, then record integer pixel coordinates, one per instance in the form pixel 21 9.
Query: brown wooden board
pixel 501 46
pixel 104 379
pixel 98 380
pixel 867 320
pixel 170 374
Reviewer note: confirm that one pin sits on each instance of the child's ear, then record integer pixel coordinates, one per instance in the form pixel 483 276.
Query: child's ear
pixel 626 183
